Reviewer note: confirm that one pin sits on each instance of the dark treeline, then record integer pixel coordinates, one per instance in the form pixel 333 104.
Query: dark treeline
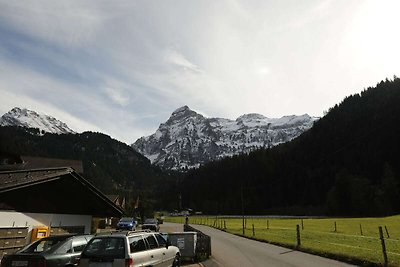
pixel 348 164
pixel 112 166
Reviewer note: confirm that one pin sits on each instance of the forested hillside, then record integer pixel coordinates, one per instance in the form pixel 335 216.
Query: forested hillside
pixel 112 166
pixel 347 164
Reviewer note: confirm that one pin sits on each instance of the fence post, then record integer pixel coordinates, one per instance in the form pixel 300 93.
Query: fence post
pixel 253 230
pixel 243 225
pixel 298 235
pixel 361 232
pixel 387 232
pixel 335 227
pixel 267 224
pixel 385 259
pixel 224 224
pixel 302 224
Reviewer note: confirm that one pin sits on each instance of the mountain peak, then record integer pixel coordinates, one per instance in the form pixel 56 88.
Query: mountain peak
pixel 21 111
pixel 181 109
pixel 188 139
pixel 251 116
pixel 23 117
pixel 182 113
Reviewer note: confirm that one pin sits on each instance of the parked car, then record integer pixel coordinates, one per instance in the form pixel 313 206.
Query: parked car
pixel 127 223
pixel 160 220
pixel 129 249
pixel 151 224
pixel 52 251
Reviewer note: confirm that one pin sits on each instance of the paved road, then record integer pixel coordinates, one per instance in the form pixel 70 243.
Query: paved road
pixel 233 251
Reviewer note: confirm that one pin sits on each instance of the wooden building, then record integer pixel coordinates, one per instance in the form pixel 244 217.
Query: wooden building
pixel 47 201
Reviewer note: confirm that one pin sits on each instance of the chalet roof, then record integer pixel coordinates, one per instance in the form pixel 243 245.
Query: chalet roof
pixel 41 162
pixel 53 190
pixel 15 162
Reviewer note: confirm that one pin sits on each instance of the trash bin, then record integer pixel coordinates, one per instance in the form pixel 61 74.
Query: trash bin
pixel 186 242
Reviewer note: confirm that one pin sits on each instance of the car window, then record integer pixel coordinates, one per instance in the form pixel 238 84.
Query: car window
pixel 151 241
pixel 136 244
pixel 150 221
pixel 113 247
pixel 161 240
pixel 79 243
pixel 41 246
pixel 64 248
pixel 79 248
pixel 126 219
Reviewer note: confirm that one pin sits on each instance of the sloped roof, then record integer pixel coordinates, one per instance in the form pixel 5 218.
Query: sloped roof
pixel 41 162
pixel 10 162
pixel 53 190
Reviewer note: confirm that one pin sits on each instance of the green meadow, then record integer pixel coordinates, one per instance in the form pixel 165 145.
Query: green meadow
pixel 355 240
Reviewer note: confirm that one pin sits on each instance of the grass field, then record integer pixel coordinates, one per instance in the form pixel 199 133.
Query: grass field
pixel 355 239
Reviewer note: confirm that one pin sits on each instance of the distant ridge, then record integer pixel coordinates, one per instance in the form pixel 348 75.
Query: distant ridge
pixel 188 139
pixel 23 117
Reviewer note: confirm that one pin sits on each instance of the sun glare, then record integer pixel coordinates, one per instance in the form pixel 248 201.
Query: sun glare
pixel 374 34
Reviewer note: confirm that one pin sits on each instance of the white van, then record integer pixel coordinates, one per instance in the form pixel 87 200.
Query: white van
pixel 129 249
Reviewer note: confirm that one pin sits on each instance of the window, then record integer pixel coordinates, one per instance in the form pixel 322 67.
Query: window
pixel 64 248
pixel 106 247
pixel 79 248
pixel 161 240
pixel 136 244
pixel 78 244
pixel 151 241
pixel 41 245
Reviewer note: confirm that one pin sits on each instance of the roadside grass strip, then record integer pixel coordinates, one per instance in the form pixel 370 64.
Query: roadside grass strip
pixel 349 239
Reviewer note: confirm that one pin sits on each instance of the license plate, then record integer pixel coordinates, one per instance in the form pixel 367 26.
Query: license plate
pixel 19 263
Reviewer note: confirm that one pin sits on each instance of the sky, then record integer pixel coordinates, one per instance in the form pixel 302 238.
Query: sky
pixel 122 67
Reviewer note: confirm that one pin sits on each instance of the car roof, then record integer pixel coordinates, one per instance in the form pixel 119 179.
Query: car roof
pixel 122 233
pixel 56 237
pixel 63 236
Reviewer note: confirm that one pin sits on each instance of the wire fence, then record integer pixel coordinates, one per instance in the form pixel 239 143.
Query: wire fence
pixel 366 241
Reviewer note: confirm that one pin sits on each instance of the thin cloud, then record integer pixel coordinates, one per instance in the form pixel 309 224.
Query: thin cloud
pixel 176 58
pixel 117 95
pixel 110 65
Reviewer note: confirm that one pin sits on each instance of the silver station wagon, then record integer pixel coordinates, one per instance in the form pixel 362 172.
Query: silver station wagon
pixel 129 249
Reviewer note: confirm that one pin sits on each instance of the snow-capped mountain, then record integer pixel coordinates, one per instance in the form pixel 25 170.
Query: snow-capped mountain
pixel 30 119
pixel 188 139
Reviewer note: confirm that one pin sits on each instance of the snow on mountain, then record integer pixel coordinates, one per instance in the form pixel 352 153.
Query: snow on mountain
pixel 188 139
pixel 30 119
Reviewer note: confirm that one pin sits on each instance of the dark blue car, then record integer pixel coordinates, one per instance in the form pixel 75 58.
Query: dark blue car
pixel 127 223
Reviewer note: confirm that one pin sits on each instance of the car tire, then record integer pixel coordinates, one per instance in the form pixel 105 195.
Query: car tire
pixel 177 261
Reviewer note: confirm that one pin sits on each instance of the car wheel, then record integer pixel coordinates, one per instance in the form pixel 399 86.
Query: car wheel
pixel 177 261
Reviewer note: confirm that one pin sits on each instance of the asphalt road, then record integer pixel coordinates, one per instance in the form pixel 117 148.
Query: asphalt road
pixel 233 251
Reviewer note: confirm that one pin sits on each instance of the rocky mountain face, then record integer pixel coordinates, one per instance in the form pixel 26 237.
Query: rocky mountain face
pixel 188 139
pixel 30 119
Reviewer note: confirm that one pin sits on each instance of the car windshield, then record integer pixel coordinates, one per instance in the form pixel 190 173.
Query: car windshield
pixel 126 220
pixel 42 245
pixel 107 247
pixel 150 221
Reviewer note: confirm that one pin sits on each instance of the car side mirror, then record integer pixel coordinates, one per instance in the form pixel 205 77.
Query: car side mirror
pixel 168 243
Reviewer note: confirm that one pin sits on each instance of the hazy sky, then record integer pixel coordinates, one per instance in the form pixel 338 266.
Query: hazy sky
pixel 122 67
